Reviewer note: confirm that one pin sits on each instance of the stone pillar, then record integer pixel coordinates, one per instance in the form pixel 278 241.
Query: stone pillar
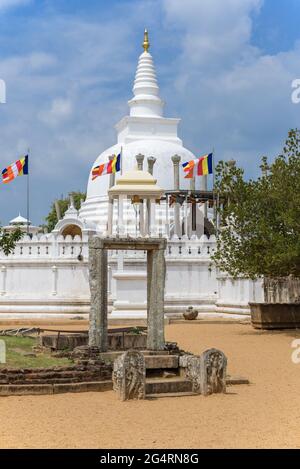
pixel 151 162
pixel 140 161
pixel 98 287
pixel 156 270
pixel 176 160
pixel 110 202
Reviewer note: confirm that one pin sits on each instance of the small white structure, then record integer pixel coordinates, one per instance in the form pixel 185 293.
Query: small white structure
pixel 22 223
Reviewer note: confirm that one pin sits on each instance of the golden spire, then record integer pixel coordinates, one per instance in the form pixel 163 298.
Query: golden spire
pixel 146 43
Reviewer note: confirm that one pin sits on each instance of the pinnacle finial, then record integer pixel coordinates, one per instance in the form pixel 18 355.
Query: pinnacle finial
pixel 146 43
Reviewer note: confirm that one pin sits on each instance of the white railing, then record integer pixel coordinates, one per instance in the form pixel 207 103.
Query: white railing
pixel 58 247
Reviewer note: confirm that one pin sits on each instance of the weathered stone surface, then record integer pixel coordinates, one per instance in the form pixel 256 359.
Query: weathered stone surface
pixel 192 371
pixel 161 361
pixel 213 365
pixel 275 315
pixel 90 371
pixel 98 288
pixel 169 385
pixel 156 273
pixel 156 270
pixel 23 390
pixel 129 375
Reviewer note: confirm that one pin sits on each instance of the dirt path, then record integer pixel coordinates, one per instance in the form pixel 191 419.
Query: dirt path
pixel 263 415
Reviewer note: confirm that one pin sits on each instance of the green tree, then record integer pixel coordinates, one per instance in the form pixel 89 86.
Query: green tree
pixel 259 220
pixel 64 203
pixel 8 240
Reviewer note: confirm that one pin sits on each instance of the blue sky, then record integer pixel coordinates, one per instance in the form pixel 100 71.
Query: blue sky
pixel 224 66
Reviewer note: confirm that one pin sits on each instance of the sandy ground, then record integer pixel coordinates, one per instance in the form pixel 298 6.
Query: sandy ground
pixel 263 415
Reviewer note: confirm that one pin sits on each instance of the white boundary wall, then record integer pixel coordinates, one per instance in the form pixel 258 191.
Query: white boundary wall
pixel 44 276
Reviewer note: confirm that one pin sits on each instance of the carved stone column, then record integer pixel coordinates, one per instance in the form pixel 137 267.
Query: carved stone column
pixel 151 162
pixel 156 270
pixel 140 161
pixel 129 376
pixel 98 287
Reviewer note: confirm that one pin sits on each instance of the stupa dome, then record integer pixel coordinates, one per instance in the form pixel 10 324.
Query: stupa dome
pixel 144 131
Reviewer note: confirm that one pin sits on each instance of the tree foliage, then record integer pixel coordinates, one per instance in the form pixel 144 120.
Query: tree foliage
pixel 259 222
pixel 8 240
pixel 64 203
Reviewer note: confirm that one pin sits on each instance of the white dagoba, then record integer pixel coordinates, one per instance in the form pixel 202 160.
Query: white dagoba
pixel 144 131
pixel 22 223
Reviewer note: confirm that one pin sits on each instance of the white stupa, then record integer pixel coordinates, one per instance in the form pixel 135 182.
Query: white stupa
pixel 22 223
pixel 144 131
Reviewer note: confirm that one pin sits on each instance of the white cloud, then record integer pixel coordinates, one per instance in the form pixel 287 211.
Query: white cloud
pixel 230 94
pixel 5 4
pixel 71 83
pixel 60 110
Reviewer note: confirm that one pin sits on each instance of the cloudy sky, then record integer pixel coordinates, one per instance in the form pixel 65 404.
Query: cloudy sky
pixel 224 66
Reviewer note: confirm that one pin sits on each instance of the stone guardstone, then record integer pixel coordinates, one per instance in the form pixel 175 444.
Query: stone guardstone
pixel 129 376
pixel 213 372
pixel 192 367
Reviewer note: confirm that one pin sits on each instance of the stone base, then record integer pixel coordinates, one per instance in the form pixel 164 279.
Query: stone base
pixel 116 341
pixel 275 315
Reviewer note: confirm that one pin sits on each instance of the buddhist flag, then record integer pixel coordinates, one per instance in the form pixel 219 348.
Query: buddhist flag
pixel 113 166
pixel 203 165
pixel 19 168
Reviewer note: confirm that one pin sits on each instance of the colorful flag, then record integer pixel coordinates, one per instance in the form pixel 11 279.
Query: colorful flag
pixel 204 166
pixel 113 166
pixel 19 168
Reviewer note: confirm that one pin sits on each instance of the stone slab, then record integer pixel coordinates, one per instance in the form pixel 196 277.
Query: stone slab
pixel 25 389
pixel 170 385
pixel 37 389
pixel 96 386
pixel 161 361
pixel 96 242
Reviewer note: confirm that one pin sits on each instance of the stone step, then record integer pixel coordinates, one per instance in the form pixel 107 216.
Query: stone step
pixel 161 361
pixel 169 385
pixel 38 389
pixel 171 394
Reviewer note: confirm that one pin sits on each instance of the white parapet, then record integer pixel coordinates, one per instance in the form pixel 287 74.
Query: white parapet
pixel 48 274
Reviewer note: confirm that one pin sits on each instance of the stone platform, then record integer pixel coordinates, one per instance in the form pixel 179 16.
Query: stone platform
pixel 164 377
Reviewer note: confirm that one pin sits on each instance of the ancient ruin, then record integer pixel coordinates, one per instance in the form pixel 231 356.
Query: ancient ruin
pixel 129 376
pixel 213 365
pixel 155 248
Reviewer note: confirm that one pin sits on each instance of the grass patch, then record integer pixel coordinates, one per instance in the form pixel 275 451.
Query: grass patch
pixel 16 347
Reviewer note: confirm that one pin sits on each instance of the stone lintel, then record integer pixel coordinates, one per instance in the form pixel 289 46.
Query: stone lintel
pixel 143 244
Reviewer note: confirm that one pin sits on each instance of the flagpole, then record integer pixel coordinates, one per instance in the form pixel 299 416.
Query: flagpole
pixel 121 162
pixel 214 193
pixel 28 186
